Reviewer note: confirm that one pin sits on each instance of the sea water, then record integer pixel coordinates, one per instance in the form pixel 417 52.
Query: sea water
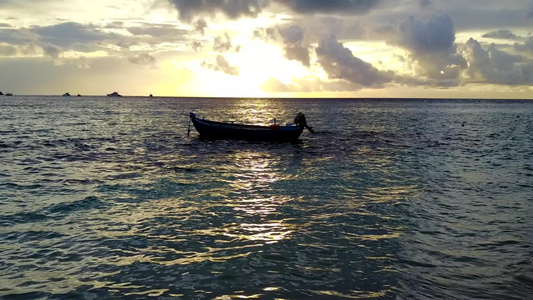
pixel 389 199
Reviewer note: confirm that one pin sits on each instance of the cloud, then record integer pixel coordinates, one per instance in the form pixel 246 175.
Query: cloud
pixel 196 46
pixel 114 25
pixel 501 34
pixel 431 34
pixel 298 53
pixel 265 34
pixel 340 63
pixel 331 6
pixel 425 3
pixel 495 66
pixel 309 84
pixel 21 36
pixel 292 35
pixel 168 32
pixel 223 44
pixel 200 26
pixel 232 9
pixel 8 50
pixel 52 51
pixel 526 46
pixel 294 49
pixel 431 41
pixel 235 9
pixel 75 36
pixel 221 65
pixel 143 59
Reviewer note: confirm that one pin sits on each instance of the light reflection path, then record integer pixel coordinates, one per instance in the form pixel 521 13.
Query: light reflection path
pixel 248 196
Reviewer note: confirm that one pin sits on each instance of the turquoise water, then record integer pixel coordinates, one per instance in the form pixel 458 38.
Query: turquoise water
pixel 109 198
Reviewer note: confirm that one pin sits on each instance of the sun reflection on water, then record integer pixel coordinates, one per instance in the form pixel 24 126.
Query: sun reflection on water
pixel 250 196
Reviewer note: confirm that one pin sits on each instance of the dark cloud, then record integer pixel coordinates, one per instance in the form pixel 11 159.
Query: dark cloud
pixel 442 66
pixel 4 25
pixel 489 16
pixel 298 53
pixel 293 37
pixel 143 59
pixel 52 51
pixel 431 40
pixel 75 36
pixel 501 34
pixel 340 63
pixel 233 9
pixel 26 42
pixel 330 6
pixel 18 36
pixel 431 34
pixel 221 65
pixel 495 66
pixel 200 26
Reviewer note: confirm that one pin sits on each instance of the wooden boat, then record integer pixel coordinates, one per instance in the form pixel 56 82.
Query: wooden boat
pixel 220 130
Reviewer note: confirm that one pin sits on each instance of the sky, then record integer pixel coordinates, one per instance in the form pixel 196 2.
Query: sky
pixel 268 48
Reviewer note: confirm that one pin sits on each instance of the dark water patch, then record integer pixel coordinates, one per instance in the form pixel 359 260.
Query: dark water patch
pixel 91 202
pixel 142 192
pixel 32 236
pixel 125 176
pixel 28 295
pixel 21 187
pixel 19 218
pixel 55 211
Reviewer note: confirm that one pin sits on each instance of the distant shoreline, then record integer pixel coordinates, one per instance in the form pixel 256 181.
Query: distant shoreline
pixel 281 98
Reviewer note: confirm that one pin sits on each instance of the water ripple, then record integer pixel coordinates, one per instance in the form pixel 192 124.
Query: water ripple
pixel 109 198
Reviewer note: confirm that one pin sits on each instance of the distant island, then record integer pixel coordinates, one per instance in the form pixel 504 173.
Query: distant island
pixel 1 94
pixel 66 95
pixel 114 94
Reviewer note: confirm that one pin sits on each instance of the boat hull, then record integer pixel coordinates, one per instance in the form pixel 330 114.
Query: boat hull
pixel 219 130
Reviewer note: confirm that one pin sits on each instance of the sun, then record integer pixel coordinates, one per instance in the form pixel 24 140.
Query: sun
pixel 256 63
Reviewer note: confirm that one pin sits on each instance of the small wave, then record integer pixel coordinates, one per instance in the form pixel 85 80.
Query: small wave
pixel 416 263
pixel 54 211
pixel 15 186
pixel 528 279
pixel 91 202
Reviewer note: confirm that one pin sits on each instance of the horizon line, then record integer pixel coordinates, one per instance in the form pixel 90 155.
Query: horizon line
pixel 256 97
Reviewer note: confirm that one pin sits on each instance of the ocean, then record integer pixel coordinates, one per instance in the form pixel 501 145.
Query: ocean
pixel 389 199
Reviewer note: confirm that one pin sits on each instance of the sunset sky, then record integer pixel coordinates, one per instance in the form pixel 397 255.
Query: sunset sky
pixel 268 48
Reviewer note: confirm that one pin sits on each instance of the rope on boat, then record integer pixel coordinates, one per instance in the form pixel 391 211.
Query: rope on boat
pixel 189 126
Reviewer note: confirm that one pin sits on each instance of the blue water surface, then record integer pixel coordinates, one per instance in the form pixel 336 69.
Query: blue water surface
pixel 390 199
